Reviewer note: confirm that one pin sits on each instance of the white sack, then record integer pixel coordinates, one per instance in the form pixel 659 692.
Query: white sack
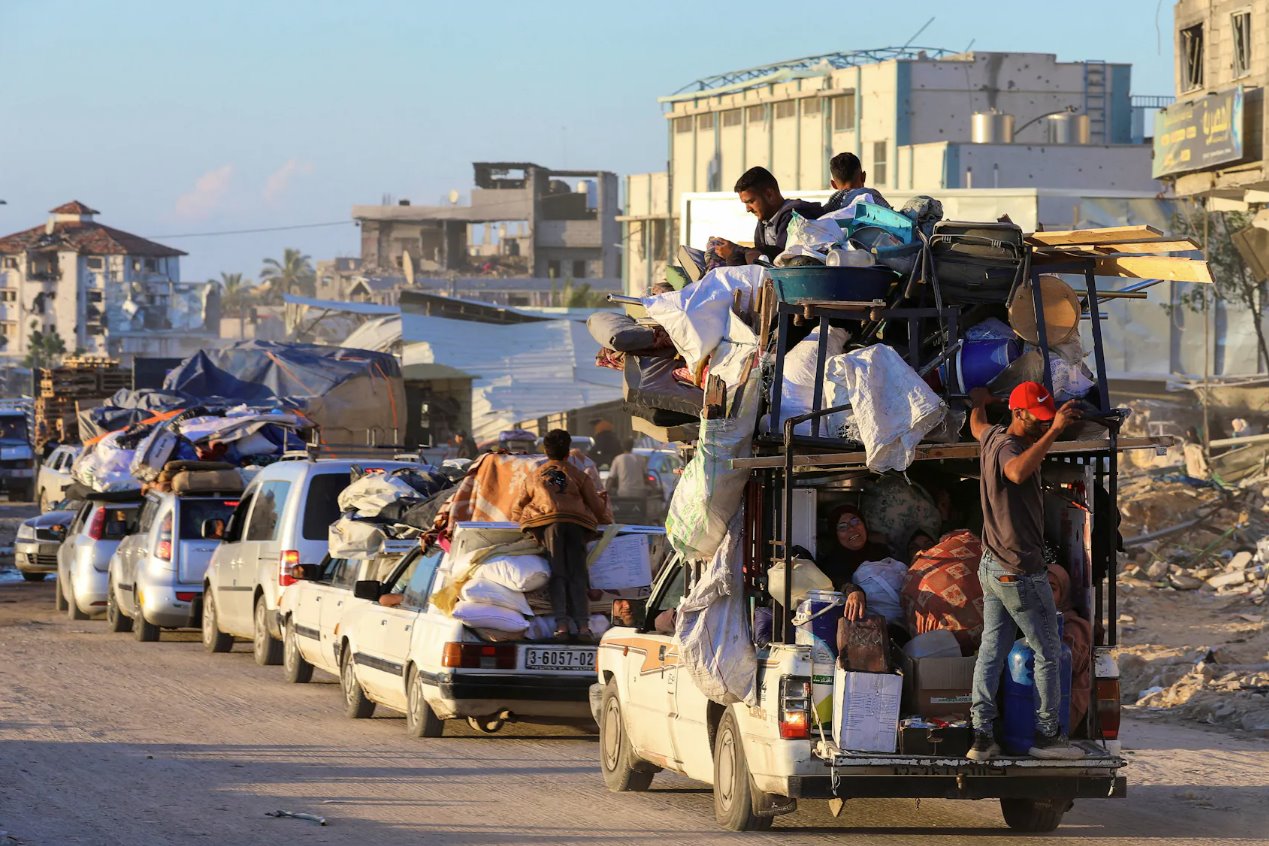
pixel 354 538
pixel 709 492
pixel 106 467
pixel 817 235
pixel 893 408
pixel 696 317
pixel 492 617
pixel 485 592
pixel 712 626
pixel 882 584
pixel 372 493
pixel 798 391
pixel 521 573
pixel 152 453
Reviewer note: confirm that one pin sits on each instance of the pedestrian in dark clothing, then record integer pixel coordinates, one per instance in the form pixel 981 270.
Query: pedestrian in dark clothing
pixel 847 177
pixel 607 444
pixel 465 446
pixel 561 508
pixel 1013 573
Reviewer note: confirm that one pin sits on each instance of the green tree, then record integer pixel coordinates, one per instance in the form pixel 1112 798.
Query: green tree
pixel 236 294
pixel 292 275
pixel 43 349
pixel 577 296
pixel 1232 282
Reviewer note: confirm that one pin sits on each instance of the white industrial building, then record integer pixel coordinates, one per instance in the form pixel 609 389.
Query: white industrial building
pixel 920 120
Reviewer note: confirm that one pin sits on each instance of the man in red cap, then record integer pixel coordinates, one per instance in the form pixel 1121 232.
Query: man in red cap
pixel 1013 573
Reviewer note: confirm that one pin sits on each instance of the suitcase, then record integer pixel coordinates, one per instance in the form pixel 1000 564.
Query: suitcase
pixel 977 262
pixel 863 646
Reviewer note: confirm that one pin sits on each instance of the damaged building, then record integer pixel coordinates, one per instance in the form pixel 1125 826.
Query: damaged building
pixel 102 290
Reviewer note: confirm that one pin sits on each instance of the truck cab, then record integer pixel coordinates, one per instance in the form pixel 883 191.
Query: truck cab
pixel 17 457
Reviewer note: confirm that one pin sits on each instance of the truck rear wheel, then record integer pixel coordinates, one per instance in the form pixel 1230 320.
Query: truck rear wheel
pixel 622 768
pixel 420 719
pixel 735 796
pixel 1034 815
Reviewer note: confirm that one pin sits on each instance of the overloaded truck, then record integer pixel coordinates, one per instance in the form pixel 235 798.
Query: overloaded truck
pixel 729 675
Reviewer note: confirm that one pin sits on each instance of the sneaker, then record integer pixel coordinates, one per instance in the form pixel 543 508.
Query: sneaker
pixel 984 748
pixel 1056 747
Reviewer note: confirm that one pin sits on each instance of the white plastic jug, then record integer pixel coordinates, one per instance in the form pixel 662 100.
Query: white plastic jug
pixel 806 578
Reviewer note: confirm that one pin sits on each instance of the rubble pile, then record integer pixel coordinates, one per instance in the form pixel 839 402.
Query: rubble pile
pixel 1193 594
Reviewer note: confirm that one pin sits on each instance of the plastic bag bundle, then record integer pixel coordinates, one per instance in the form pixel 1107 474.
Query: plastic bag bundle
pixel 349 538
pixel 485 592
pixel 817 235
pixel 882 584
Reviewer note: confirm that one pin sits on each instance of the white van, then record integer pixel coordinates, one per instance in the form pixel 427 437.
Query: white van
pixel 282 520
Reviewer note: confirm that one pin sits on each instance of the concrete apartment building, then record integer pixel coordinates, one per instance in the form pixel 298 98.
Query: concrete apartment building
pixel 524 220
pixel 103 290
pixel 1211 141
pixel 921 120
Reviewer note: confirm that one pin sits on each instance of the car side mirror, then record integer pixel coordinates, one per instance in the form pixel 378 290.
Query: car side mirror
pixel 630 613
pixel 306 572
pixel 368 589
pixel 213 529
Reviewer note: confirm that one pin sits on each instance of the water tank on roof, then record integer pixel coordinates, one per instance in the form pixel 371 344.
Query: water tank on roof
pixel 992 128
pixel 1067 128
pixel 591 190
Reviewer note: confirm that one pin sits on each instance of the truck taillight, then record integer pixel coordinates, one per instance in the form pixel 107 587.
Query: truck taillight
pixel 286 562
pixel 97 525
pixel 479 656
pixel 164 551
pixel 795 708
pixel 1108 708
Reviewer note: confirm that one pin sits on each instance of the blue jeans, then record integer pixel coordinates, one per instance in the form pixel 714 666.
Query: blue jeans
pixel 1026 601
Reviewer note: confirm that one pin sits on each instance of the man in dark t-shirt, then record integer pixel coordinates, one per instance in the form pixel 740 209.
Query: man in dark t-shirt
pixel 1013 574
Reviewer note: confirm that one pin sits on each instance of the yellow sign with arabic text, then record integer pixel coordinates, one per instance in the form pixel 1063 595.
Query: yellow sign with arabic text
pixel 1201 134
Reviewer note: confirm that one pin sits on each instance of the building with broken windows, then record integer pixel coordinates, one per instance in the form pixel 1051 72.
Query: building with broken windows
pixel 102 290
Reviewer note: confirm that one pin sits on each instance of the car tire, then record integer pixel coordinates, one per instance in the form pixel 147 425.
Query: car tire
pixel 294 668
pixel 622 769
pixel 1034 816
pixel 420 719
pixel 33 577
pixel 266 648
pixel 72 606
pixel 118 621
pixel 734 791
pixel 142 629
pixel 214 640
pixel 356 704
pixel 59 597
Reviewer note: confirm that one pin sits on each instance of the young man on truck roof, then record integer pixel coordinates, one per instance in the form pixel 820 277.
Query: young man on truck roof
pixel 1013 574
pixel 847 177
pixel 759 191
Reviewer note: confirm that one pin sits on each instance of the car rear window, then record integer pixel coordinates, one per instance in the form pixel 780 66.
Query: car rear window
pixel 120 522
pixel 194 512
pixel 321 506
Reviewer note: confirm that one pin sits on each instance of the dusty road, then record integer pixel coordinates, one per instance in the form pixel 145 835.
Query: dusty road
pixel 104 740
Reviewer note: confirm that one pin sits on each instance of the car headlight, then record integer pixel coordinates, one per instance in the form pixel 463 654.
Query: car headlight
pixel 26 532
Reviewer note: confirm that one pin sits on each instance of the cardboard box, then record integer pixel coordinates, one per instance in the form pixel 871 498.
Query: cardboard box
pixel 866 710
pixel 938 687
pixel 947 741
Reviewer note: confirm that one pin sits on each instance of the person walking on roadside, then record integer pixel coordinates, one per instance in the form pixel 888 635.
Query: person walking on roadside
pixel 562 510
pixel 465 447
pixel 1013 572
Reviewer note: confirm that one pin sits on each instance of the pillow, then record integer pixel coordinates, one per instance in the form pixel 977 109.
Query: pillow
pixel 518 572
pixel 479 616
pixel 485 592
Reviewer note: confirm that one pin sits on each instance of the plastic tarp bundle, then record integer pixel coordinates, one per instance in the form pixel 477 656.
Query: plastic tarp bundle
pixel 798 392
pixel 345 391
pixel 355 538
pixel 376 506
pixel 892 407
pixel 696 318
pixel 712 629
pixel 710 491
pixel 107 466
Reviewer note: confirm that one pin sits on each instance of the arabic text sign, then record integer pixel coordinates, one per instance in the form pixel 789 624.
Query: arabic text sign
pixel 1201 134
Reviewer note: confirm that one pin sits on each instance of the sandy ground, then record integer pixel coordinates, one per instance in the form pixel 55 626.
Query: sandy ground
pixel 104 740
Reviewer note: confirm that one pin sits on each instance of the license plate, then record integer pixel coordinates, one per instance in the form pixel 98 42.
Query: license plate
pixel 559 659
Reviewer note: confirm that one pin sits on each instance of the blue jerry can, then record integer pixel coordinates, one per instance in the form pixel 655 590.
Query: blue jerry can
pixel 1020 698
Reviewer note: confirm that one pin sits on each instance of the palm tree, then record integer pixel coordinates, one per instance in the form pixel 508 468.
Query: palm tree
pixel 236 295
pixel 292 275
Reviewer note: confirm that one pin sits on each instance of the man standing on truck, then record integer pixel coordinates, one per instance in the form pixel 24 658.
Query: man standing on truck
pixel 1013 573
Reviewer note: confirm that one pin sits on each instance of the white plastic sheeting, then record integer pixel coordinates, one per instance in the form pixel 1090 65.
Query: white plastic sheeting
pixel 798 390
pixel 893 407
pixel 696 318
pixel 712 626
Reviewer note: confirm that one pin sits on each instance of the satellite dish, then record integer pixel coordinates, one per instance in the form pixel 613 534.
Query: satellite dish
pixel 453 197
pixel 407 265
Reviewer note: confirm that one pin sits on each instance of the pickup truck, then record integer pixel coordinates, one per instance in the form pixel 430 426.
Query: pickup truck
pixel 414 658
pixel 761 759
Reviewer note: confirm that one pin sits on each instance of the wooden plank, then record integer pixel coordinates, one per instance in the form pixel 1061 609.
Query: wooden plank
pixel 936 451
pixel 1137 247
pixel 1155 267
pixel 1106 235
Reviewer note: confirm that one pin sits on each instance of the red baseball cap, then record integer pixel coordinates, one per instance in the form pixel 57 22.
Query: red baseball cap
pixel 1034 398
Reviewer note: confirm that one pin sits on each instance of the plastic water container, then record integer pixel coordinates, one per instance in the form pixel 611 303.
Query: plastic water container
pixel 978 362
pixel 1020 697
pixel 816 626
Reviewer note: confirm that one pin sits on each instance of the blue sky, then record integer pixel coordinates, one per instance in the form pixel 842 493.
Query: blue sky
pixel 176 118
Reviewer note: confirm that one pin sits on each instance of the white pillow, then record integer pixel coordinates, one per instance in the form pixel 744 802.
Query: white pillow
pixel 480 616
pixel 485 592
pixel 517 572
